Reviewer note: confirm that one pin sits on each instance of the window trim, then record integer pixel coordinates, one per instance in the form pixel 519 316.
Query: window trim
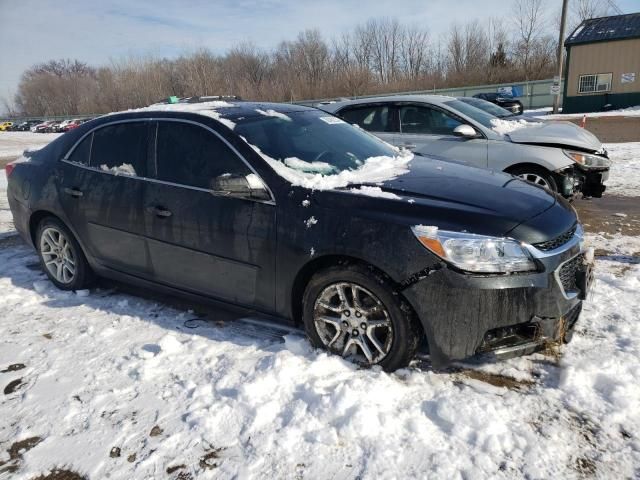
pixel 595 85
pixel 65 158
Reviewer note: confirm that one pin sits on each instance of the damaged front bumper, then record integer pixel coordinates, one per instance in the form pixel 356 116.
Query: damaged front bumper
pixel 501 316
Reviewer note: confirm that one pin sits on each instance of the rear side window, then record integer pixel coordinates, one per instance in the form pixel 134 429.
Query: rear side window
pixel 371 118
pixel 191 155
pixel 419 119
pixel 82 152
pixel 121 149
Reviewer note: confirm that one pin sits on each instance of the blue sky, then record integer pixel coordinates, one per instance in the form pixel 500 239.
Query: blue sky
pixel 97 31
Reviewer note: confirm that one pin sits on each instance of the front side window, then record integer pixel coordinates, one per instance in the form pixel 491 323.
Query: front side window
pixel 121 149
pixel 190 155
pixel 600 82
pixel 426 120
pixel 375 118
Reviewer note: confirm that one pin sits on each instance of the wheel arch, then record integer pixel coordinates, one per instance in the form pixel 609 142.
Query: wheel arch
pixel 309 269
pixel 39 215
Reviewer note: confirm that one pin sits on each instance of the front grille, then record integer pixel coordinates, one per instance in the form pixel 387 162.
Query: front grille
pixel 556 242
pixel 567 274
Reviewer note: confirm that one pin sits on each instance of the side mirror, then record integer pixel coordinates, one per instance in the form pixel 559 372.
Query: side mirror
pixel 466 131
pixel 249 186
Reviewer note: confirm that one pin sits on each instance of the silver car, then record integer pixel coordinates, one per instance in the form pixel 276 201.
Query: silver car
pixel 557 155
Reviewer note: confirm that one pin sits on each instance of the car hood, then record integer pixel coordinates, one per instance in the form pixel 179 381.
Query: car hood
pixel 556 133
pixel 457 197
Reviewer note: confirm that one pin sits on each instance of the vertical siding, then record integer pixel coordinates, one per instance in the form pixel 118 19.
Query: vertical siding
pixel 617 57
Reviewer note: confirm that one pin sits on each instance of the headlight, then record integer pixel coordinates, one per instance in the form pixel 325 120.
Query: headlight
pixel 587 160
pixel 476 253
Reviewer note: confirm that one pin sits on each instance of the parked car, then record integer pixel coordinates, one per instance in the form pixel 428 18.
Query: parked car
pixel 293 212
pixel 71 125
pixel 508 103
pixel 490 108
pixel 43 127
pixel 559 156
pixel 4 126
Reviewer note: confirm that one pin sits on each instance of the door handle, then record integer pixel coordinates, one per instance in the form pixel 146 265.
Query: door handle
pixel 74 192
pixel 160 212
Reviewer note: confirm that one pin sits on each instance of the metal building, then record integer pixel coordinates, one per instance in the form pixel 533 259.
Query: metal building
pixel 603 64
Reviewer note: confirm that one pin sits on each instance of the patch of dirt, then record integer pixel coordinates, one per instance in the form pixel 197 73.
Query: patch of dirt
pixel 57 474
pixel 610 129
pixel 599 214
pixel 585 467
pixel 209 460
pixel 156 431
pixel 13 367
pixel 115 452
pixel 13 386
pixel 48 336
pixel 497 380
pixel 131 458
pixel 15 454
pixel 175 468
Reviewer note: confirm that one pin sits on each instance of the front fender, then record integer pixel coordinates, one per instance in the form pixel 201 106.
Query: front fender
pixel 504 155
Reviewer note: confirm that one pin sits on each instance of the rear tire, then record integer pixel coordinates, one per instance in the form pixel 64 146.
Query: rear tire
pixel 538 175
pixel 352 311
pixel 61 257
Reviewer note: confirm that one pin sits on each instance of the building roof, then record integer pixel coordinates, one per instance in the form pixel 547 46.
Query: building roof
pixel 618 27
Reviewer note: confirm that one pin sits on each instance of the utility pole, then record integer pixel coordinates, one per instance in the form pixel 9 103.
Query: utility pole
pixel 560 58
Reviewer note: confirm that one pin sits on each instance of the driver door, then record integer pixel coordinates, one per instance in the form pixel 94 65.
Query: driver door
pixel 429 130
pixel 215 244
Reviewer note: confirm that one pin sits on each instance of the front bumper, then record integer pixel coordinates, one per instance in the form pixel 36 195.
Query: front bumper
pixel 589 182
pixel 465 315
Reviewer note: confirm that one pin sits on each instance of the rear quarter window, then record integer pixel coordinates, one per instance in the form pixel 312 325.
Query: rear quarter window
pixel 82 152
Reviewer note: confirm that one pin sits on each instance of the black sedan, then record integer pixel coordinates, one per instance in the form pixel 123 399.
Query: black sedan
pixel 508 103
pixel 291 211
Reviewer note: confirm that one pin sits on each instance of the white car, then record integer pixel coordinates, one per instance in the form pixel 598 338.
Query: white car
pixel 559 156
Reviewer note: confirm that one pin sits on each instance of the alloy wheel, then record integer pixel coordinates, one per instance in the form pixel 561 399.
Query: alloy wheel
pixel 57 255
pixel 353 322
pixel 535 178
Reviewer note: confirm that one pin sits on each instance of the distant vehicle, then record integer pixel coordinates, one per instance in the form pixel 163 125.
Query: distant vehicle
pixel 43 127
pixel 508 103
pixel 488 107
pixel 4 126
pixel 291 211
pixel 71 125
pixel 559 156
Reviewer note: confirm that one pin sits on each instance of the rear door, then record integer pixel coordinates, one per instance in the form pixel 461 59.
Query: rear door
pixel 217 245
pixel 381 119
pixel 428 129
pixel 100 187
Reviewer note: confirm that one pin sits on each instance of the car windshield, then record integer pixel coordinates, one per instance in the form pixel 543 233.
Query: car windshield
pixel 488 107
pixel 311 141
pixel 480 116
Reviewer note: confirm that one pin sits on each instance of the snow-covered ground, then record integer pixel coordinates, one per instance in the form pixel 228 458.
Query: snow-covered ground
pixel 12 144
pixel 545 113
pixel 110 385
pixel 624 177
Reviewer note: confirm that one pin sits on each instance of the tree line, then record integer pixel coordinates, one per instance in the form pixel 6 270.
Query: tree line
pixel 380 55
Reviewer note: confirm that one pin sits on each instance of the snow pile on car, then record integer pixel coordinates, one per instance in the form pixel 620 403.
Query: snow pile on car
pixel 504 127
pixel 208 109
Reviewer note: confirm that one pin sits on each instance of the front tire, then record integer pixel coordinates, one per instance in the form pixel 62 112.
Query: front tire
pixel 538 175
pixel 61 257
pixel 353 312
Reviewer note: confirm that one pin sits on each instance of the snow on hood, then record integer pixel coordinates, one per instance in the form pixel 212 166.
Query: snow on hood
pixel 372 170
pixel 208 109
pixel 555 133
pixel 507 126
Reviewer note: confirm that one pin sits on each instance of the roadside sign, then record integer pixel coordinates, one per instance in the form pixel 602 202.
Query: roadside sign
pixel 628 78
pixel 555 89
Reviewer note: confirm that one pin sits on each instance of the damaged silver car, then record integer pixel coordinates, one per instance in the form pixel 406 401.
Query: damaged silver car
pixel 559 156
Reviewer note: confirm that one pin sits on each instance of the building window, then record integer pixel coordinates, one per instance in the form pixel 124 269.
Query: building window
pixel 600 82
